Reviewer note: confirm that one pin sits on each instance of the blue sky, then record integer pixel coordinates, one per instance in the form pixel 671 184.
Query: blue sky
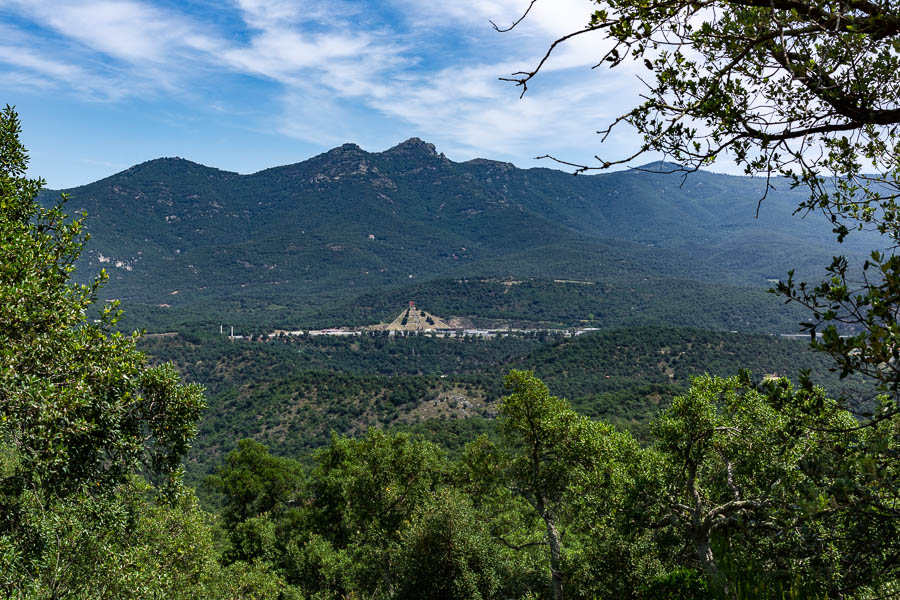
pixel 244 85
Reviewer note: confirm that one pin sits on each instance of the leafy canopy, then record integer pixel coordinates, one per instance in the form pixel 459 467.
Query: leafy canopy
pixel 804 89
pixel 794 87
pixel 82 418
pixel 79 408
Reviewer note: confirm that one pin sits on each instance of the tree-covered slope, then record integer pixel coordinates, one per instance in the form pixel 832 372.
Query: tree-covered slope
pixel 177 235
pixel 293 392
pixel 623 301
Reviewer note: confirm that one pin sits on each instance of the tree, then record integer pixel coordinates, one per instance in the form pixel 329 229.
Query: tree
pixel 803 89
pixel 122 545
pixel 771 84
pixel 446 552
pixel 722 462
pixel 547 450
pixel 366 490
pixel 80 412
pixel 786 501
pixel 336 531
pixel 532 423
pixel 78 403
pixel 254 482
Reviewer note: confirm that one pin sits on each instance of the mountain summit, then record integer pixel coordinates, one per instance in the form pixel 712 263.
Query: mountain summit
pixel 413 147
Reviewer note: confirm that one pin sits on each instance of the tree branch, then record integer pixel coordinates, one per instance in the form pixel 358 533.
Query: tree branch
pixel 516 22
pixel 528 75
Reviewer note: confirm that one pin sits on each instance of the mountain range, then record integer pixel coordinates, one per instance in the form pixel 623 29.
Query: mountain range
pixel 288 244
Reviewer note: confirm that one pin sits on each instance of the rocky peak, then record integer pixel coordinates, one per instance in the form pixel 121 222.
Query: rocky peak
pixel 413 147
pixel 346 149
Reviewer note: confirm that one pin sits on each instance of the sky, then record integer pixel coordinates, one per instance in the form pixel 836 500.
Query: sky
pixel 244 85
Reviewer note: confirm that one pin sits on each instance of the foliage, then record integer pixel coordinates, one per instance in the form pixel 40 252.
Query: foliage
pixel 122 545
pixel 745 488
pixel 80 414
pixel 78 404
pixel 447 552
pixel 240 249
pixel 547 449
pixel 750 475
pixel 805 90
pixel 679 584
pixel 254 482
pixel 376 481
pixel 291 392
pixel 736 476
pixel 340 531
pixel 801 89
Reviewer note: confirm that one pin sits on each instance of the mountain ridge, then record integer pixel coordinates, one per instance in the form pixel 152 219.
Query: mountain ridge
pixel 346 222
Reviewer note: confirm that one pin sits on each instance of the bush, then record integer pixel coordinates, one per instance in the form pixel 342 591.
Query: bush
pixel 679 584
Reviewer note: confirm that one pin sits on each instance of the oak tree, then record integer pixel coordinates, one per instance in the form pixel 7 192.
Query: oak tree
pixel 81 413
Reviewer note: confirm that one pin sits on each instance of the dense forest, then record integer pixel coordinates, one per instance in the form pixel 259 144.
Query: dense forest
pixel 292 392
pixel 685 464
pixel 614 302
pixel 622 301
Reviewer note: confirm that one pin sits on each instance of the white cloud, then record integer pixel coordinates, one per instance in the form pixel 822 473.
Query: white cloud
pixel 546 18
pixel 25 58
pixel 122 29
pixel 472 112
pixel 34 69
pixel 13 80
pixel 262 13
pixel 338 64
pixel 282 54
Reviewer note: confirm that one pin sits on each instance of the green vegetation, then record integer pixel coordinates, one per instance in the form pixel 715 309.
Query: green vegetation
pixel 91 439
pixel 292 392
pixel 657 480
pixel 610 302
pixel 191 247
pixel 726 499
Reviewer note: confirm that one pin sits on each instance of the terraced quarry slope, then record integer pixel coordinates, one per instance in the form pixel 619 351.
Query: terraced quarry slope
pixel 414 319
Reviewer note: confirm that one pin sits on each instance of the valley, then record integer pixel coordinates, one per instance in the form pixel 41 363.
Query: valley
pixel 336 322
pixel 292 392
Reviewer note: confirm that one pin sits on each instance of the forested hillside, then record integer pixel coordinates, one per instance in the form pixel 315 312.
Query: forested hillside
pixel 293 392
pixel 615 302
pixel 182 241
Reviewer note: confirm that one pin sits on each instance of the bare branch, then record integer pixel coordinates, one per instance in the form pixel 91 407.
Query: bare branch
pixel 528 75
pixel 516 22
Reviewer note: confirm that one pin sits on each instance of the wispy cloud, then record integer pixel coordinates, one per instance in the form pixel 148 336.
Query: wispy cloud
pixel 337 70
pixel 33 68
pixel 121 29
